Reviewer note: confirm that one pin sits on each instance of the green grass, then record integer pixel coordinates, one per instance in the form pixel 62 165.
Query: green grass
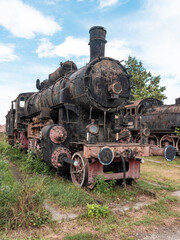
pixel 28 209
pixel 3 137
pixel 4 146
pixel 9 189
pixel 20 206
pixel 28 162
pixel 61 191
pixel 5 237
pixel 145 221
pixel 81 236
pixel 163 173
pixel 32 163
pixel 65 194
pixel 161 159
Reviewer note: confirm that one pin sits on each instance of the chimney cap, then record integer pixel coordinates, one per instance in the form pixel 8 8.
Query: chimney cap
pixel 97 27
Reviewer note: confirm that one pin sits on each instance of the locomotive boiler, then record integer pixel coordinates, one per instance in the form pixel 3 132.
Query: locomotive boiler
pixel 76 119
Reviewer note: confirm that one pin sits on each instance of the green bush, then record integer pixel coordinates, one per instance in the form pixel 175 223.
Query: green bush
pixel 33 163
pixel 96 210
pixel 177 131
pixel 4 147
pixel 101 186
pixel 29 163
pixel 12 153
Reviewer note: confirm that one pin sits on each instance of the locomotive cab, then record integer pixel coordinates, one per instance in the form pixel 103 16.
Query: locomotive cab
pixel 19 109
pixel 14 119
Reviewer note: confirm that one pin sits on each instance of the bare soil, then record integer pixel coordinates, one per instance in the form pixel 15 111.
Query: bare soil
pixel 164 233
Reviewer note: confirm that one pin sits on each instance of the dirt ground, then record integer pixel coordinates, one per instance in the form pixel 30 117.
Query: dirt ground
pixel 165 233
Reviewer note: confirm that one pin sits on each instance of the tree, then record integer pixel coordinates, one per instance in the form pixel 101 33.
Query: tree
pixel 144 84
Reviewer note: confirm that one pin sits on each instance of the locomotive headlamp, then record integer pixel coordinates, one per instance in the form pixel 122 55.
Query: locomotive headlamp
pixel 93 128
pixel 169 153
pixel 106 156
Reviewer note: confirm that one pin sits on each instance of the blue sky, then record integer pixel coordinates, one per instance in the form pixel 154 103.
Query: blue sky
pixel 36 35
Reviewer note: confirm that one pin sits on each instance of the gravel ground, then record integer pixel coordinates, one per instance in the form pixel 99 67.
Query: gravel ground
pixel 163 234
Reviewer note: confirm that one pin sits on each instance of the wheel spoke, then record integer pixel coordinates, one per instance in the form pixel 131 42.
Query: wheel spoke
pixel 79 173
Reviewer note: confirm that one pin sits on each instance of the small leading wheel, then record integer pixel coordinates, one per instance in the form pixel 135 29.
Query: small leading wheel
pixel 79 173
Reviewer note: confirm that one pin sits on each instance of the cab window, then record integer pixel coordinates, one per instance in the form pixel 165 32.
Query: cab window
pixel 21 102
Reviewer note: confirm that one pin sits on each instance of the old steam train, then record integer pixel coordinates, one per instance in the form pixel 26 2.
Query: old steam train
pixel 76 119
pixel 162 121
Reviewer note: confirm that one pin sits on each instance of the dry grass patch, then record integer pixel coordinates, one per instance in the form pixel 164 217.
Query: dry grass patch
pixel 160 173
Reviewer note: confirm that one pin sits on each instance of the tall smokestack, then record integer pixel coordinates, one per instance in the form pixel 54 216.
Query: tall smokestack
pixel 97 42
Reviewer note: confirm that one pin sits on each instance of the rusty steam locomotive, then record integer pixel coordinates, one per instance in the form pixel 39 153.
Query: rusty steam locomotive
pixel 160 119
pixel 76 119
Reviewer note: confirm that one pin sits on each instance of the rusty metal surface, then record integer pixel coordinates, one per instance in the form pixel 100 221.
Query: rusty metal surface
pixel 84 113
pixel 95 169
pixel 55 156
pixel 58 134
pixel 161 120
pixel 92 151
pixel 145 102
pixel 97 42
pixel 91 87
pixel 64 69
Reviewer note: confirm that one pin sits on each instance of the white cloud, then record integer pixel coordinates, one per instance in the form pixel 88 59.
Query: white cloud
pixel 153 34
pixel 79 48
pixel 172 89
pixel 45 49
pixel 7 53
pixel 7 95
pixel 42 71
pixel 107 3
pixel 52 2
pixel 72 46
pixel 117 49
pixel 25 21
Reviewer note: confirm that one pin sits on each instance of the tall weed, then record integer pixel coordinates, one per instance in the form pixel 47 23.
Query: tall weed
pixel 28 163
pixel 33 163
pixel 20 205
pixel 101 186
pixel 28 209
pixel 9 190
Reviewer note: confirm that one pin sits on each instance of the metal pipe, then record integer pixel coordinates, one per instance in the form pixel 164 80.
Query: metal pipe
pixel 97 42
pixel 124 170
pixel 168 152
pixel 64 158
pixel 104 130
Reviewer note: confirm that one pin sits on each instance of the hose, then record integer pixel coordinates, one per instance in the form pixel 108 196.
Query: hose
pixel 124 171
